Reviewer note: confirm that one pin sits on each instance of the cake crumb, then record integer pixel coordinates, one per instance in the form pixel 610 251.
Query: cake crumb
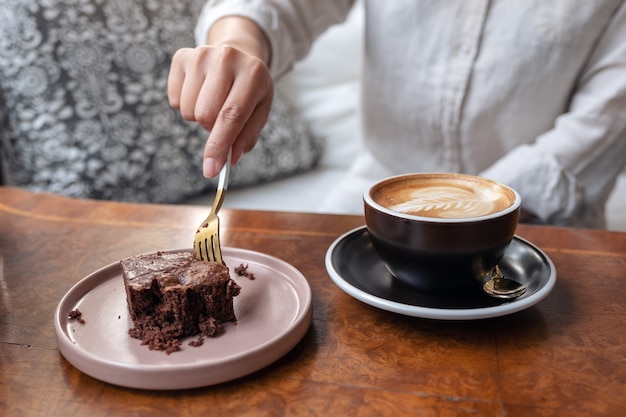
pixel 242 271
pixel 197 342
pixel 76 315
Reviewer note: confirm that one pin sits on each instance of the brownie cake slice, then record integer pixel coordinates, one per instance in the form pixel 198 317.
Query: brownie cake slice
pixel 171 295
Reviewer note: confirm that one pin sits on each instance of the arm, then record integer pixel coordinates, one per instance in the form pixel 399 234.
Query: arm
pixel 570 170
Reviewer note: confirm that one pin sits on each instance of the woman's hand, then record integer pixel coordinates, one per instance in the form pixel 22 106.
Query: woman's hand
pixel 226 87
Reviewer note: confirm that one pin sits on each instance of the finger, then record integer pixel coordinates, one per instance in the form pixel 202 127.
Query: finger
pixel 228 125
pixel 211 165
pixel 200 83
pixel 176 77
pixel 234 128
pixel 233 76
pixel 219 68
pixel 185 80
pixel 212 96
pixel 251 132
pixel 233 125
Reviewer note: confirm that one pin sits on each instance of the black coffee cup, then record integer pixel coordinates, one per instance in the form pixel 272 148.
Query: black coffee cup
pixel 441 232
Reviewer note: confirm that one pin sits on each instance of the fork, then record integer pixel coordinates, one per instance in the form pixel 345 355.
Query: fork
pixel 207 241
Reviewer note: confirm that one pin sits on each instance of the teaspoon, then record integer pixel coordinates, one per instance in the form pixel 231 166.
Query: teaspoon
pixel 500 286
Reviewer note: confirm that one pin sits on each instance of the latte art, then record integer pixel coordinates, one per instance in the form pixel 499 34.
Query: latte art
pixel 447 202
pixel 444 197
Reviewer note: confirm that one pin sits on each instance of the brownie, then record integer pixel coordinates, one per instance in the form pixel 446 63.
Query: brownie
pixel 171 295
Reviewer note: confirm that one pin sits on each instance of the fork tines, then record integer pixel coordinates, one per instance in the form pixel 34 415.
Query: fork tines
pixel 209 249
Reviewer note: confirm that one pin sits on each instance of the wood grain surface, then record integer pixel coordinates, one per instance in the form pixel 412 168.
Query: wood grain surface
pixel 565 356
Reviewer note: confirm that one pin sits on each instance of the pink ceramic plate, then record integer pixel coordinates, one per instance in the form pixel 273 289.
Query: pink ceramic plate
pixel 274 311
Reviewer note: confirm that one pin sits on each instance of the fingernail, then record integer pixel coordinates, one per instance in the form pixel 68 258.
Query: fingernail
pixel 209 168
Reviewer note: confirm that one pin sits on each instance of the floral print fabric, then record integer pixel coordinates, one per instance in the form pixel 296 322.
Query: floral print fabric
pixel 84 109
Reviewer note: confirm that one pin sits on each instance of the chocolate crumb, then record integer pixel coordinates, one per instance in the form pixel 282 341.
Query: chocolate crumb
pixel 242 271
pixel 76 315
pixel 158 341
pixel 198 342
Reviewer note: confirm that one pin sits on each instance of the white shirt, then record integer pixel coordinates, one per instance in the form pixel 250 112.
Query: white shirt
pixel 531 94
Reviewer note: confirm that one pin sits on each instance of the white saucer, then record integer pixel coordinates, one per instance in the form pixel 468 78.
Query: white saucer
pixel 355 267
pixel 274 311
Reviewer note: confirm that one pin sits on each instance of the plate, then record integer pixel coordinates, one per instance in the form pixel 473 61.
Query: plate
pixel 355 267
pixel 273 310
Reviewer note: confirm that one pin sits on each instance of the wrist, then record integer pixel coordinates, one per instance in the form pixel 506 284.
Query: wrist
pixel 241 33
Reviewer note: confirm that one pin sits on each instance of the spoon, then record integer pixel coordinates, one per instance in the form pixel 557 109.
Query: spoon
pixel 500 286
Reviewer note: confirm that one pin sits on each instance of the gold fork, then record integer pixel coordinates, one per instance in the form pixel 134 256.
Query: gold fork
pixel 207 242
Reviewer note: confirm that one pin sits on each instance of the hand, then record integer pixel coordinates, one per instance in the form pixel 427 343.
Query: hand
pixel 226 87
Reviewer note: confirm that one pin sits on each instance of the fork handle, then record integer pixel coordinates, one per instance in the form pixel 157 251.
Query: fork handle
pixel 222 183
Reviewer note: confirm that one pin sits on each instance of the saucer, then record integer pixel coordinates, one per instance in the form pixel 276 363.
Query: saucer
pixel 274 312
pixel 355 267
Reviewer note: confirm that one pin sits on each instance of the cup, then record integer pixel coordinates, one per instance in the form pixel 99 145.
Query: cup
pixel 441 232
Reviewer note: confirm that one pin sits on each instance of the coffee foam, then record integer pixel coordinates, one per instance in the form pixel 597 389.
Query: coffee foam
pixel 444 198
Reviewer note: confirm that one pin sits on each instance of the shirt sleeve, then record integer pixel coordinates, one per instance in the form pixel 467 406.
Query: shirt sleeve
pixel 291 26
pixel 570 170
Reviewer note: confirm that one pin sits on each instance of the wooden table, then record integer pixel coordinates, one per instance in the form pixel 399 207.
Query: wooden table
pixel 565 356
